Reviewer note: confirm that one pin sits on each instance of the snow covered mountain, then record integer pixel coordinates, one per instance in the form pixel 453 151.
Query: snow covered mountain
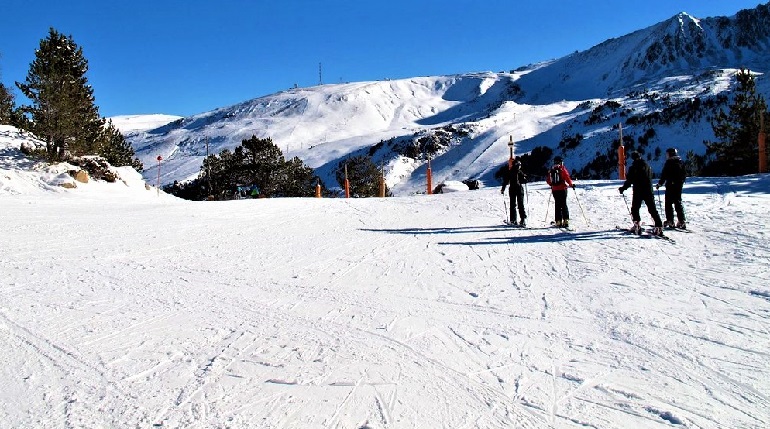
pixel 130 123
pixel 646 80
pixel 681 46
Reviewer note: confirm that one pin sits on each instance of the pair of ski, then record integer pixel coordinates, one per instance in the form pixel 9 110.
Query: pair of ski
pixel 677 229
pixel 553 225
pixel 565 228
pixel 513 224
pixel 646 233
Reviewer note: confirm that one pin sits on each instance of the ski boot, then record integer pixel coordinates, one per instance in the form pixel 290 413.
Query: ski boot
pixel 636 228
pixel 681 225
pixel 658 230
pixel 669 224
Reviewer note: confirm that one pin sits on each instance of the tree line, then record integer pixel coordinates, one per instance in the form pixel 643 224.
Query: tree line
pixel 257 169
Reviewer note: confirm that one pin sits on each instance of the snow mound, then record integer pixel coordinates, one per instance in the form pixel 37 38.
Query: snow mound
pixel 23 175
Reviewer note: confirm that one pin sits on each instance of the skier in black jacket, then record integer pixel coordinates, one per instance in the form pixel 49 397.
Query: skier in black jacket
pixel 674 176
pixel 517 179
pixel 639 176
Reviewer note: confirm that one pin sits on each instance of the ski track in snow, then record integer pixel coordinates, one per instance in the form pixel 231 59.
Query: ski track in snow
pixel 403 312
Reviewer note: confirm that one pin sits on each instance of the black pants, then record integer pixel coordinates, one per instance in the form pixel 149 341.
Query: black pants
pixel 649 200
pixel 517 199
pixel 560 202
pixel 674 202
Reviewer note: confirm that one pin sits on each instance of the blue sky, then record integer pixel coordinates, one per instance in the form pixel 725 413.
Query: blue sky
pixel 187 57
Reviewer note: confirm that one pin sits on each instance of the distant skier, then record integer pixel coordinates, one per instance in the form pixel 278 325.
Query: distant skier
pixel 639 176
pixel 559 180
pixel 673 175
pixel 516 178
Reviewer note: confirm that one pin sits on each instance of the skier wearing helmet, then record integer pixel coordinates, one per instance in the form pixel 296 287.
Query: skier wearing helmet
pixel 639 176
pixel 559 180
pixel 674 176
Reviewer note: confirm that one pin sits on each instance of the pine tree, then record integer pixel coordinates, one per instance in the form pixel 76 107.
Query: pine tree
pixel 736 150
pixel 116 150
pixel 260 162
pixel 218 174
pixel 62 112
pixel 6 106
pixel 296 179
pixel 363 176
pixel 256 162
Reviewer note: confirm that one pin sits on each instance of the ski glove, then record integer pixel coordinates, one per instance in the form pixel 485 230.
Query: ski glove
pixel 621 189
pixel 573 186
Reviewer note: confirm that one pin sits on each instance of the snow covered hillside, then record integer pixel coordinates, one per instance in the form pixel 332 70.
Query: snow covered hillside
pixel 124 308
pixel 660 82
pixel 133 123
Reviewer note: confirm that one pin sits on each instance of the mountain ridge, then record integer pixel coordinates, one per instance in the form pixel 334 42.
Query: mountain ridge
pixel 644 71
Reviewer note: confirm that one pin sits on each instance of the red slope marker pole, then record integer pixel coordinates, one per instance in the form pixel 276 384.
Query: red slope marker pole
pixel 621 157
pixel 762 147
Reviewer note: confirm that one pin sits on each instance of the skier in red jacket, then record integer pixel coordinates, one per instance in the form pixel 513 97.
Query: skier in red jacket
pixel 559 180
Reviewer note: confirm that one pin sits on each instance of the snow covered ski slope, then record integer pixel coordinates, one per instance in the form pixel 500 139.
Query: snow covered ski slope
pixel 423 311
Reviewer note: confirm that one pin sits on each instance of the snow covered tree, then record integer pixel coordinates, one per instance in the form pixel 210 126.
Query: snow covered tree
pixel 62 112
pixel 736 150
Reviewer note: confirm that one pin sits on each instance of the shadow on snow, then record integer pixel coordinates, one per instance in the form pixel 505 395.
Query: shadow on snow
pixel 518 236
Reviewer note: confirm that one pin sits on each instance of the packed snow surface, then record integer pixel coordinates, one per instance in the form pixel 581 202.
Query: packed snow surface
pixel 124 307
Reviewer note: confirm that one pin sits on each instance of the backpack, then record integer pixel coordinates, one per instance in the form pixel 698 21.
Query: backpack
pixel 681 172
pixel 555 174
pixel 675 170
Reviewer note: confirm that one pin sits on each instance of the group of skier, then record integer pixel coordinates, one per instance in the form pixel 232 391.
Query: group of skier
pixel 639 177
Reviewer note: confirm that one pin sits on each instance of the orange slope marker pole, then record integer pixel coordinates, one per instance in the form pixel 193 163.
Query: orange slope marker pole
pixel 382 182
pixel 347 183
pixel 430 178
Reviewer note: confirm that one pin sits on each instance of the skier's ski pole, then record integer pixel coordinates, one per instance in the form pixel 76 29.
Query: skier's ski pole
pixel 627 208
pixel 660 207
pixel 506 210
pixel 581 208
pixel 547 206
pixel 526 191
